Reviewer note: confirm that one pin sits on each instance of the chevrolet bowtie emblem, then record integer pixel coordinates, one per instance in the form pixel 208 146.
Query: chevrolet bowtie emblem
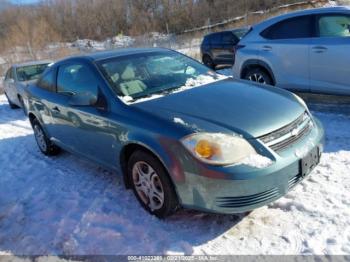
pixel 294 132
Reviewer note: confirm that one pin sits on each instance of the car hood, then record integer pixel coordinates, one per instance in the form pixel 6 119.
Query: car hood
pixel 29 82
pixel 245 108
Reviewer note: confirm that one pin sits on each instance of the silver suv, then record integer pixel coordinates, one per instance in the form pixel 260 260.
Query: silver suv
pixel 305 51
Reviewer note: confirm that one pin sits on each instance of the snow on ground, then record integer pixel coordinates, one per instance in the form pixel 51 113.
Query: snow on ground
pixel 67 205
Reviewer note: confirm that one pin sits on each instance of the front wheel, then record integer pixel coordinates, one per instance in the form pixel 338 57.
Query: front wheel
pixel 258 75
pixel 44 143
pixel 151 184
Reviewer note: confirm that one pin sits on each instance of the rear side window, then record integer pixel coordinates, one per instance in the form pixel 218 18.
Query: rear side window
pixel 215 38
pixel 47 81
pixel 229 38
pixel 334 25
pixel 76 78
pixel 32 72
pixel 8 74
pixel 296 27
pixel 206 40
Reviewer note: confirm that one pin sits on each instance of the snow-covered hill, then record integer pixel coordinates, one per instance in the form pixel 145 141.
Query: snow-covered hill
pixel 67 205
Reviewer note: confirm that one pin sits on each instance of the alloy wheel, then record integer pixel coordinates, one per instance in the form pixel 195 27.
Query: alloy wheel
pixel 148 185
pixel 40 138
pixel 259 78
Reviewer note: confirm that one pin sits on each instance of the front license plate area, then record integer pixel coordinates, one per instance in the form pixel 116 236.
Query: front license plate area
pixel 309 162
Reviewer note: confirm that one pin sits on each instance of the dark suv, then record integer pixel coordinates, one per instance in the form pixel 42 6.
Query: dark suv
pixel 219 48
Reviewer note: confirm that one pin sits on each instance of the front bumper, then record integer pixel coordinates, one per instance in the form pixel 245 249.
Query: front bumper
pixel 240 188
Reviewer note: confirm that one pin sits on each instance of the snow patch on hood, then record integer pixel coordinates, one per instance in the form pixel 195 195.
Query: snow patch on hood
pixel 190 83
pixel 179 121
pixel 257 161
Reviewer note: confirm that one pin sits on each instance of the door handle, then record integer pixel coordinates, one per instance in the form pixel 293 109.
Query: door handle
pixel 56 109
pixel 319 49
pixel 267 48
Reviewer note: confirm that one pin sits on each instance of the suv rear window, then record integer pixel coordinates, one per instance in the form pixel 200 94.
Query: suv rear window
pixel 296 27
pixel 206 40
pixel 229 38
pixel 215 38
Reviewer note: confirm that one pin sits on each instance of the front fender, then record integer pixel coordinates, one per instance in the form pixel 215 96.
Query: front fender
pixel 169 152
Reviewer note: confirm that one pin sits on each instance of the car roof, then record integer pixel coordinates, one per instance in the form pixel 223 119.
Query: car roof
pixel 321 10
pixel 30 63
pixel 101 55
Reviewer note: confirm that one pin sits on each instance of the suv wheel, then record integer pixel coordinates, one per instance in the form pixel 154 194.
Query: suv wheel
pixel 151 184
pixel 208 62
pixel 12 105
pixel 44 143
pixel 258 75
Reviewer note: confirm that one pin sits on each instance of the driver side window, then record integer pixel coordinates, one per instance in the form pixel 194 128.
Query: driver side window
pixel 77 78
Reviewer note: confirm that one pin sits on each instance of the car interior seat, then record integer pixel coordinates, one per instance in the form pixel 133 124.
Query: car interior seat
pixel 130 85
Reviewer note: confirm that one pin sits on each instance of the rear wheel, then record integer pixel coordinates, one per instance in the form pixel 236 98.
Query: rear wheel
pixel 12 105
pixel 258 75
pixel 151 184
pixel 208 62
pixel 44 143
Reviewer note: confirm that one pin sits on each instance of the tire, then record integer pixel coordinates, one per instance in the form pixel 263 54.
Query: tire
pixel 148 177
pixel 208 62
pixel 43 142
pixel 12 105
pixel 258 75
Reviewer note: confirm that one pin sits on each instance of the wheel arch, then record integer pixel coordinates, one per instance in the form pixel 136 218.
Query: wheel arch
pixel 128 149
pixel 32 117
pixel 255 63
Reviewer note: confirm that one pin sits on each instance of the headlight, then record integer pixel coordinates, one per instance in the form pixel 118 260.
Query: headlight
pixel 218 149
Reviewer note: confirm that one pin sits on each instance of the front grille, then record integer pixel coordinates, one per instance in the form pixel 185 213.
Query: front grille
pixel 289 134
pixel 294 181
pixel 235 202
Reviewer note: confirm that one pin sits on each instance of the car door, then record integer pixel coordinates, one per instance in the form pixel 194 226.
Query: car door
pixel 286 50
pixel 330 57
pixel 84 129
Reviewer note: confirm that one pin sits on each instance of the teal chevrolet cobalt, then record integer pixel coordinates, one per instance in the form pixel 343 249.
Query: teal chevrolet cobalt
pixel 179 134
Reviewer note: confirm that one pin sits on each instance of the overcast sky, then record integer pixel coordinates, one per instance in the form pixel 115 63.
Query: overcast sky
pixel 23 1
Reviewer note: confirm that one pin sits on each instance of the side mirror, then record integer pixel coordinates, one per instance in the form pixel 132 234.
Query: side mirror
pixel 83 99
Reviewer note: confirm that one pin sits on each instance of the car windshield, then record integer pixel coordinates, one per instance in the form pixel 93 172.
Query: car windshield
pixel 32 72
pixel 144 75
